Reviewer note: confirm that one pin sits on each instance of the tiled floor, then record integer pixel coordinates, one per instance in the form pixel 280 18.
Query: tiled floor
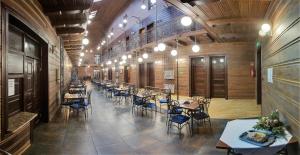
pixel 113 129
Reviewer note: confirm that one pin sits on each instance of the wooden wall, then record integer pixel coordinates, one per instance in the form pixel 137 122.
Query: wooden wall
pixel 31 13
pixel 85 71
pixel 281 52
pixel 239 56
pixel 67 69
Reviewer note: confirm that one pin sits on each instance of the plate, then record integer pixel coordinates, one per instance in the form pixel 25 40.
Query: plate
pixel 271 139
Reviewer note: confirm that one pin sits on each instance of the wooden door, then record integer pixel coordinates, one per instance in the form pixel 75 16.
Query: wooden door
pixel 218 77
pixel 141 75
pixel 150 75
pixel 199 77
pixel 37 103
pixel 109 74
pixel 126 74
pixel 29 85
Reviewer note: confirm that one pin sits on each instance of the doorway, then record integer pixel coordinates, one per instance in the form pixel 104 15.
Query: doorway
pixel 142 75
pixel 150 75
pixel 25 72
pixel 218 77
pixel 199 74
pixel 258 77
pixel 126 74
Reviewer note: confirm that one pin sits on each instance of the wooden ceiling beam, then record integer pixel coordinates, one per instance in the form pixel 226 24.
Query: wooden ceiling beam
pixel 61 22
pixel 197 15
pixel 217 22
pixel 69 30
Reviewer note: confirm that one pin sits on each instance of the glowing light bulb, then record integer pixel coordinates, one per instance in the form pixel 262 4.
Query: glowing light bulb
pixel 196 48
pixel 174 52
pixel 145 55
pixel 186 21
pixel 161 47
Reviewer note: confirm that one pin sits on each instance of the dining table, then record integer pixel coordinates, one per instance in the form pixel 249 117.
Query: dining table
pixel 75 90
pixel 231 141
pixel 191 106
pixel 69 96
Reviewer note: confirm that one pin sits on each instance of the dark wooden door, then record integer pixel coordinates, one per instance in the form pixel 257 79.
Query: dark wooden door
pixel 141 75
pixel 218 77
pixel 199 77
pixel 29 85
pixel 126 74
pixel 37 103
pixel 109 74
pixel 150 75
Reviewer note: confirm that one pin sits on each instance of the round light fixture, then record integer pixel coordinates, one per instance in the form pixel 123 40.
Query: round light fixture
pixel 108 62
pixel 81 54
pixel 145 55
pixel 265 27
pixel 129 56
pixel 140 59
pixel 196 48
pixel 186 21
pixel 125 21
pixel 124 57
pixel 155 49
pixel 153 1
pixel 143 6
pixel 161 47
pixel 120 25
pixel 262 33
pixel 116 60
pixel 80 60
pixel 111 33
pixel 85 41
pixel 174 52
pixel 89 21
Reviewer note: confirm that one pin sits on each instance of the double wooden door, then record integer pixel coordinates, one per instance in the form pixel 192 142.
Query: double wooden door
pixel 208 76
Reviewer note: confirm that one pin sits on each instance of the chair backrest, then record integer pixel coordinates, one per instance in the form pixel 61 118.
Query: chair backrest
pixel 172 104
pixel 136 100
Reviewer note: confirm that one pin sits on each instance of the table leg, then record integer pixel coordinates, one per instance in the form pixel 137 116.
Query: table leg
pixel 192 123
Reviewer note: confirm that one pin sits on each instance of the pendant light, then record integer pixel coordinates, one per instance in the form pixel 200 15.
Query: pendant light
pixel 195 48
pixel 186 21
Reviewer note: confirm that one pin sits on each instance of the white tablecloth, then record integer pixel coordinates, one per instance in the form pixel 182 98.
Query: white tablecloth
pixel 235 128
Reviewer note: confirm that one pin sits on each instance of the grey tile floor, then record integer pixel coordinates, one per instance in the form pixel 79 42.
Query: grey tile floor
pixel 113 129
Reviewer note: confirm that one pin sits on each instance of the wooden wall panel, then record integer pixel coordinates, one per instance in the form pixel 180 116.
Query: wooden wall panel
pixel 54 83
pixel 239 56
pixel 281 52
pixel 31 13
pixel 67 69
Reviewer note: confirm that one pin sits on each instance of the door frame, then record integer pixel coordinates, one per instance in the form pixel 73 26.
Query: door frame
pixel 258 75
pixel 6 12
pixel 226 75
pixel 207 57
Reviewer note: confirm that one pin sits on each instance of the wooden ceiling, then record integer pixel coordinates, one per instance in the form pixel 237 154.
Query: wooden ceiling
pixel 69 17
pixel 227 20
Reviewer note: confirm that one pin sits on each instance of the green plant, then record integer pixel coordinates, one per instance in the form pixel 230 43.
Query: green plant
pixel 271 123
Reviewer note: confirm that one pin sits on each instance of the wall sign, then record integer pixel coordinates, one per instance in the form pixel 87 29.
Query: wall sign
pixel 170 86
pixel 11 87
pixel 169 74
pixel 270 75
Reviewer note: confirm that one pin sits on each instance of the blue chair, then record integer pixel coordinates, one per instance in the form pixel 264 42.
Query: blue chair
pixel 166 98
pixel 173 109
pixel 83 105
pixel 180 121
pixel 138 103
pixel 201 115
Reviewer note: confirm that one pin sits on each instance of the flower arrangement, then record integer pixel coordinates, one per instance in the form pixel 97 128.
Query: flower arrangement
pixel 271 123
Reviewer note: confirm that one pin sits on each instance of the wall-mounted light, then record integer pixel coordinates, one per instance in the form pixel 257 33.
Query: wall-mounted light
pixel 265 29
pixel 85 41
pixel 121 25
pixel 91 51
pixel 155 49
pixel 89 21
pixel 98 48
pixel 129 56
pixel 81 54
pixel 108 62
pixel 140 59
pixel 161 47
pixel 153 1
pixel 186 21
pixel 116 61
pixel 124 57
pixel 174 52
pixel 145 55
pixel 143 6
